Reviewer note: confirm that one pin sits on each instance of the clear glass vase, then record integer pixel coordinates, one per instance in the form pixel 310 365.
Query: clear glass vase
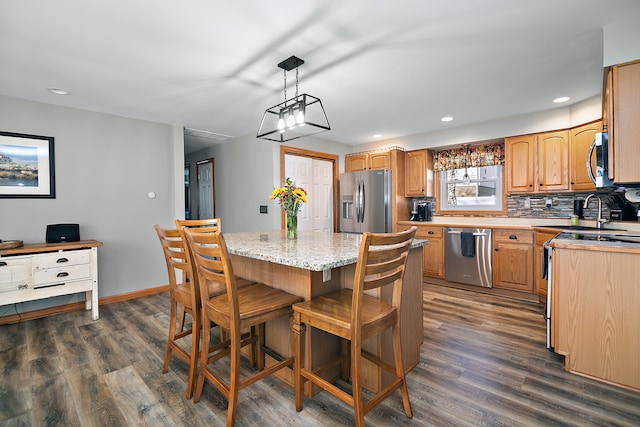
pixel 292 225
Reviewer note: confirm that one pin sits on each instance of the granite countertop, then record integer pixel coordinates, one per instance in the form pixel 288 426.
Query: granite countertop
pixel 315 251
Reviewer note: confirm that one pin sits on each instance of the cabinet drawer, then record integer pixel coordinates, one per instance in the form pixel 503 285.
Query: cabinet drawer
pixel 428 231
pixel 59 259
pixel 61 274
pixel 15 273
pixel 513 236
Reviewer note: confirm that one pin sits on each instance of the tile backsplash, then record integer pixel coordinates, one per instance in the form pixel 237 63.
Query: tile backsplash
pixel 561 206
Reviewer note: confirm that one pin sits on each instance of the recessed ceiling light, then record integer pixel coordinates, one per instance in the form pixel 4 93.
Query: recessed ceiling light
pixel 561 99
pixel 446 119
pixel 58 91
pixel 377 135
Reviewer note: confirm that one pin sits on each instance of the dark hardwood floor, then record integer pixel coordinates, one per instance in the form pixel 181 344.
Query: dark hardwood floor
pixel 484 362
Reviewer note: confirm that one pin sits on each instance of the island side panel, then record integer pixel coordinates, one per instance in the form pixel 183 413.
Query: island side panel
pixel 320 347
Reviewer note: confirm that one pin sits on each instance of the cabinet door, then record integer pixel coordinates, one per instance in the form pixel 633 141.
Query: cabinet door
pixel 415 173
pixel 626 109
pixel 379 160
pixel 355 163
pixel 513 260
pixel 432 252
pixel 553 161
pixel 520 153
pixel 580 140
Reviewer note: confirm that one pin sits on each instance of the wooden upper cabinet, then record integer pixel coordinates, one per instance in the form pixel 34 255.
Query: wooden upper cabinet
pixel 520 163
pixel 580 140
pixel 355 163
pixel 419 174
pixel 624 129
pixel 553 161
pixel 537 163
pixel 380 160
pixel 364 161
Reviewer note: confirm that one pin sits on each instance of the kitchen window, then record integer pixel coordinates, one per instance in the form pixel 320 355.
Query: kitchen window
pixel 475 189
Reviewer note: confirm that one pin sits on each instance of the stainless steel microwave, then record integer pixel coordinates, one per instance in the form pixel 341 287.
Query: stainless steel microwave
pixel 600 147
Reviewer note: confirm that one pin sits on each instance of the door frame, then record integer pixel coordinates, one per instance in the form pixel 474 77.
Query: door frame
pixel 333 158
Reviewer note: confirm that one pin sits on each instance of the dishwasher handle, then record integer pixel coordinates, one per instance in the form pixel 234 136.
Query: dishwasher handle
pixel 475 233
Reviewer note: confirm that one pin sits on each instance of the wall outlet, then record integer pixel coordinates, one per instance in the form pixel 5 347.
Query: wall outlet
pixel 527 203
pixel 264 209
pixel 548 203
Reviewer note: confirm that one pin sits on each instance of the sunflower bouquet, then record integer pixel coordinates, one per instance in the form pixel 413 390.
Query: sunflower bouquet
pixel 291 199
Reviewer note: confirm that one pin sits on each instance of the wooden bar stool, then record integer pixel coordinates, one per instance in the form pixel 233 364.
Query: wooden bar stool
pixel 182 293
pixel 355 316
pixel 235 310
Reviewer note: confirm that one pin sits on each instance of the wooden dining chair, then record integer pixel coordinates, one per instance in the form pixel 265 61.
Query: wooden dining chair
pixel 236 310
pixel 184 295
pixel 355 316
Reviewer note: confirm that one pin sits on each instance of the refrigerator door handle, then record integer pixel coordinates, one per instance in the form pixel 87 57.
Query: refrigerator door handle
pixel 356 202
pixel 363 199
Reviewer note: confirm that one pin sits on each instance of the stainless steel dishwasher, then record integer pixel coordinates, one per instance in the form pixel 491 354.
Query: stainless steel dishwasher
pixel 467 256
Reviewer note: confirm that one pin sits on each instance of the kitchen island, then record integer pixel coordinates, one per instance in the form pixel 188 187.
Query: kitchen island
pixel 315 264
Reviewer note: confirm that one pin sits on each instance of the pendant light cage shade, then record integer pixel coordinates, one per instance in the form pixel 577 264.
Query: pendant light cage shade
pixel 294 118
pixel 302 115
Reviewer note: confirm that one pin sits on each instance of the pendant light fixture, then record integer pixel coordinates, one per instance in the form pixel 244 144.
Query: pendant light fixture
pixel 465 179
pixel 294 118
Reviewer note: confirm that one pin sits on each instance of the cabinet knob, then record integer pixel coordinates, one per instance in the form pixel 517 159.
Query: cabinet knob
pixel 61 260
pixel 62 274
pixel 513 237
pixel 496 249
pixel 430 232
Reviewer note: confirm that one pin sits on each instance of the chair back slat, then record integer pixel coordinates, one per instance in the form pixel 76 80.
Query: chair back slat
pixel 213 265
pixel 381 261
pixel 176 258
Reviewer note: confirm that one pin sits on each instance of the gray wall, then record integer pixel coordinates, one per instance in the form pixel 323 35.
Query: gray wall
pixel 105 166
pixel 246 171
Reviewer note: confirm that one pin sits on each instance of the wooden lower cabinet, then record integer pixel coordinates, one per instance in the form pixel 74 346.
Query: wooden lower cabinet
pixel 433 252
pixel 595 312
pixel 513 259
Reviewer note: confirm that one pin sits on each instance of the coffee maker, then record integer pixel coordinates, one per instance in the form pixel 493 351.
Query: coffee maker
pixel 420 211
pixel 424 211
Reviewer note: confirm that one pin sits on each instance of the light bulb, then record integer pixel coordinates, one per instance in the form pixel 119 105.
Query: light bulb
pixel 281 124
pixel 300 118
pixel 291 121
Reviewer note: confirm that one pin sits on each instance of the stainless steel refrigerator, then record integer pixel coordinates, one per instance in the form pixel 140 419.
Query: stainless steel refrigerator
pixel 365 201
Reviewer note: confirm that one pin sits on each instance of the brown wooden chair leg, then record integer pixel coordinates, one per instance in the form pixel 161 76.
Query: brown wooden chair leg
pixel 297 341
pixel 259 346
pixel 172 334
pixel 397 354
pixel 204 356
pixel 196 331
pixel 356 385
pixel 234 380
pixel 183 316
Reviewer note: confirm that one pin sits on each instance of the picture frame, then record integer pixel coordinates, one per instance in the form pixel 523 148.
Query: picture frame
pixel 27 166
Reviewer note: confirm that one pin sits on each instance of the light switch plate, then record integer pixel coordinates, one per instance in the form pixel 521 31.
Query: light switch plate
pixel 264 209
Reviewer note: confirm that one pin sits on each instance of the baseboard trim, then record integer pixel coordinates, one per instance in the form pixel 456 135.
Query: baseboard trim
pixel 36 314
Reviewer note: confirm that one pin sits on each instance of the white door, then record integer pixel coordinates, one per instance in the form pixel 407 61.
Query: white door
pixel 205 190
pixel 316 177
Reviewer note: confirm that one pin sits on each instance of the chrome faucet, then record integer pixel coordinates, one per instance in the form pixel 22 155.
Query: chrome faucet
pixel 586 202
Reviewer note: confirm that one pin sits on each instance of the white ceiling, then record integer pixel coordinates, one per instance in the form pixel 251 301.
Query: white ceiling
pixel 388 67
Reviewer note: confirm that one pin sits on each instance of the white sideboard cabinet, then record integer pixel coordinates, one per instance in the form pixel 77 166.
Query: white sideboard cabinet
pixel 45 270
